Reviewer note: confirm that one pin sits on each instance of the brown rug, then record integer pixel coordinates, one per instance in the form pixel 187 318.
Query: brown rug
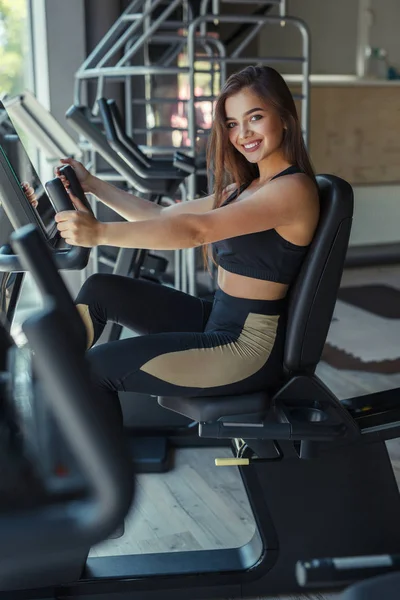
pixel 378 299
pixel 339 359
pixel 382 301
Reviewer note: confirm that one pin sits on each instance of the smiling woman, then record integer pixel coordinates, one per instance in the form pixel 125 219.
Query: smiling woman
pixel 254 126
pixel 259 222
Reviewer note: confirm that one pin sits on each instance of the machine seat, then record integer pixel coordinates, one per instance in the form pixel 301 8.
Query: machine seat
pixel 303 408
pixel 206 409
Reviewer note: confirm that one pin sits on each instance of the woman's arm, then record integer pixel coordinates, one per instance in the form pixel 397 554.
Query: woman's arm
pixel 292 203
pixel 125 204
pixel 131 207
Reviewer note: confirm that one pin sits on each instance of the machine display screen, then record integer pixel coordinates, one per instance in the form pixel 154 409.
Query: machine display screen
pixel 20 166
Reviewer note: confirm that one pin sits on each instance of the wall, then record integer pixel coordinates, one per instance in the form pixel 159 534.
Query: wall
pixel 333 27
pixel 376 214
pixel 60 48
pixel 330 24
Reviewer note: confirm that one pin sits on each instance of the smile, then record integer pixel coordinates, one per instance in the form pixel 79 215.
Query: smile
pixel 252 146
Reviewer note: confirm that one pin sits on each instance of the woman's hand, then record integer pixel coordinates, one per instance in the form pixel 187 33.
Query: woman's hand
pixel 79 227
pixel 30 194
pixel 85 178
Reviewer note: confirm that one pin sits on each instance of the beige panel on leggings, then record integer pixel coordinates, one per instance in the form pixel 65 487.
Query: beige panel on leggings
pixel 220 365
pixel 83 310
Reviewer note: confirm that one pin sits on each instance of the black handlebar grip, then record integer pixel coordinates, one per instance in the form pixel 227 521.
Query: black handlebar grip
pixel 75 186
pixel 58 195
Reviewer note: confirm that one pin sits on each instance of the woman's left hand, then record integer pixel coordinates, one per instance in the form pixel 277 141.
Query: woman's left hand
pixel 30 194
pixel 79 227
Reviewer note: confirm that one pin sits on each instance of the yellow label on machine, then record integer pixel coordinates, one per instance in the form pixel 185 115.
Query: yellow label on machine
pixel 231 462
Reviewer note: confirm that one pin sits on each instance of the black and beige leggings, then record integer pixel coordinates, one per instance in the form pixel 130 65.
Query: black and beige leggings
pixel 184 346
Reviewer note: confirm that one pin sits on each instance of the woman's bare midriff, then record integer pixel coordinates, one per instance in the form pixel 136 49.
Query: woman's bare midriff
pixel 247 287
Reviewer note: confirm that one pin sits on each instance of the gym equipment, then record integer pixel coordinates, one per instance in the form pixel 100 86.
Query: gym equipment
pixel 51 512
pixel 138 262
pixel 154 432
pixel 42 129
pixel 76 115
pixel 20 212
pixel 171 176
pixel 310 467
pixel 58 194
pixel 180 161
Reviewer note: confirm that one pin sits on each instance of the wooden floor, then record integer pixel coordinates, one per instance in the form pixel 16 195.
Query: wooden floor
pixel 199 506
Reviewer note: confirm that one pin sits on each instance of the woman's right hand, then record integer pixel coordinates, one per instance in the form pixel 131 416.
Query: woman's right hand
pixel 85 178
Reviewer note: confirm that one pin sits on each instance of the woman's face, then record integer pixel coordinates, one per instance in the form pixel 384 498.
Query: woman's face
pixel 254 127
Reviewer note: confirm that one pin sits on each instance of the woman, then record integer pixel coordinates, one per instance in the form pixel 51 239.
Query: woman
pixel 260 227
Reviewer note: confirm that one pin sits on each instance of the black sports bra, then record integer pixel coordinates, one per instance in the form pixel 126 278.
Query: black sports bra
pixel 264 255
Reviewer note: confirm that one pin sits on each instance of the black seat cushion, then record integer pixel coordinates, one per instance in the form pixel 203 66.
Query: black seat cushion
pixel 212 408
pixel 313 295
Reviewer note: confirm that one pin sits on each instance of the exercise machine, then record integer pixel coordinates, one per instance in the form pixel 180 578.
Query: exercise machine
pixel 310 465
pixel 41 128
pixel 153 432
pixel 59 494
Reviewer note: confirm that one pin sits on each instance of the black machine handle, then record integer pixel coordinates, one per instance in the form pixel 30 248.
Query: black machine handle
pixel 59 195
pixel 75 186
pixel 99 449
pixel 342 571
pixel 71 258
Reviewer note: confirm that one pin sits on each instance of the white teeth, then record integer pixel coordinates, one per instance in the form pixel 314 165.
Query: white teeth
pixel 253 145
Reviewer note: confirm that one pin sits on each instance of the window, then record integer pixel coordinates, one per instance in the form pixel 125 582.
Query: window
pixel 14 46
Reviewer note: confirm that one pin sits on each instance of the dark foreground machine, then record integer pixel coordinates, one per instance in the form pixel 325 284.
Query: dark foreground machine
pixel 58 497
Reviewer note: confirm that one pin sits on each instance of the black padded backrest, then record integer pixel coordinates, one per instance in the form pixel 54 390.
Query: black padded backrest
pixel 313 295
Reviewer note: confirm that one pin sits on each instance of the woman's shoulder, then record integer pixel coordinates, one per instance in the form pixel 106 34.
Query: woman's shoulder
pixel 295 177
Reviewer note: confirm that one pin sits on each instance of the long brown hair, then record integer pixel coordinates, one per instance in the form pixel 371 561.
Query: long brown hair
pixel 228 165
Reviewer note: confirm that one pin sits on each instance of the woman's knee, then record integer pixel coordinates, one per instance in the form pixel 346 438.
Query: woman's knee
pixel 93 288
pixel 100 362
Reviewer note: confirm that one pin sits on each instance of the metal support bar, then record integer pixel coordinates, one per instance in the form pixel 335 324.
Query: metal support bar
pixel 256 59
pixel 157 100
pixel 129 70
pixel 108 40
pixel 277 2
pixel 247 40
pixel 132 17
pixel 150 31
pixel 125 37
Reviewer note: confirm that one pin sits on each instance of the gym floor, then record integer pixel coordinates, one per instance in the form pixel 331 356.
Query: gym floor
pixel 200 506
